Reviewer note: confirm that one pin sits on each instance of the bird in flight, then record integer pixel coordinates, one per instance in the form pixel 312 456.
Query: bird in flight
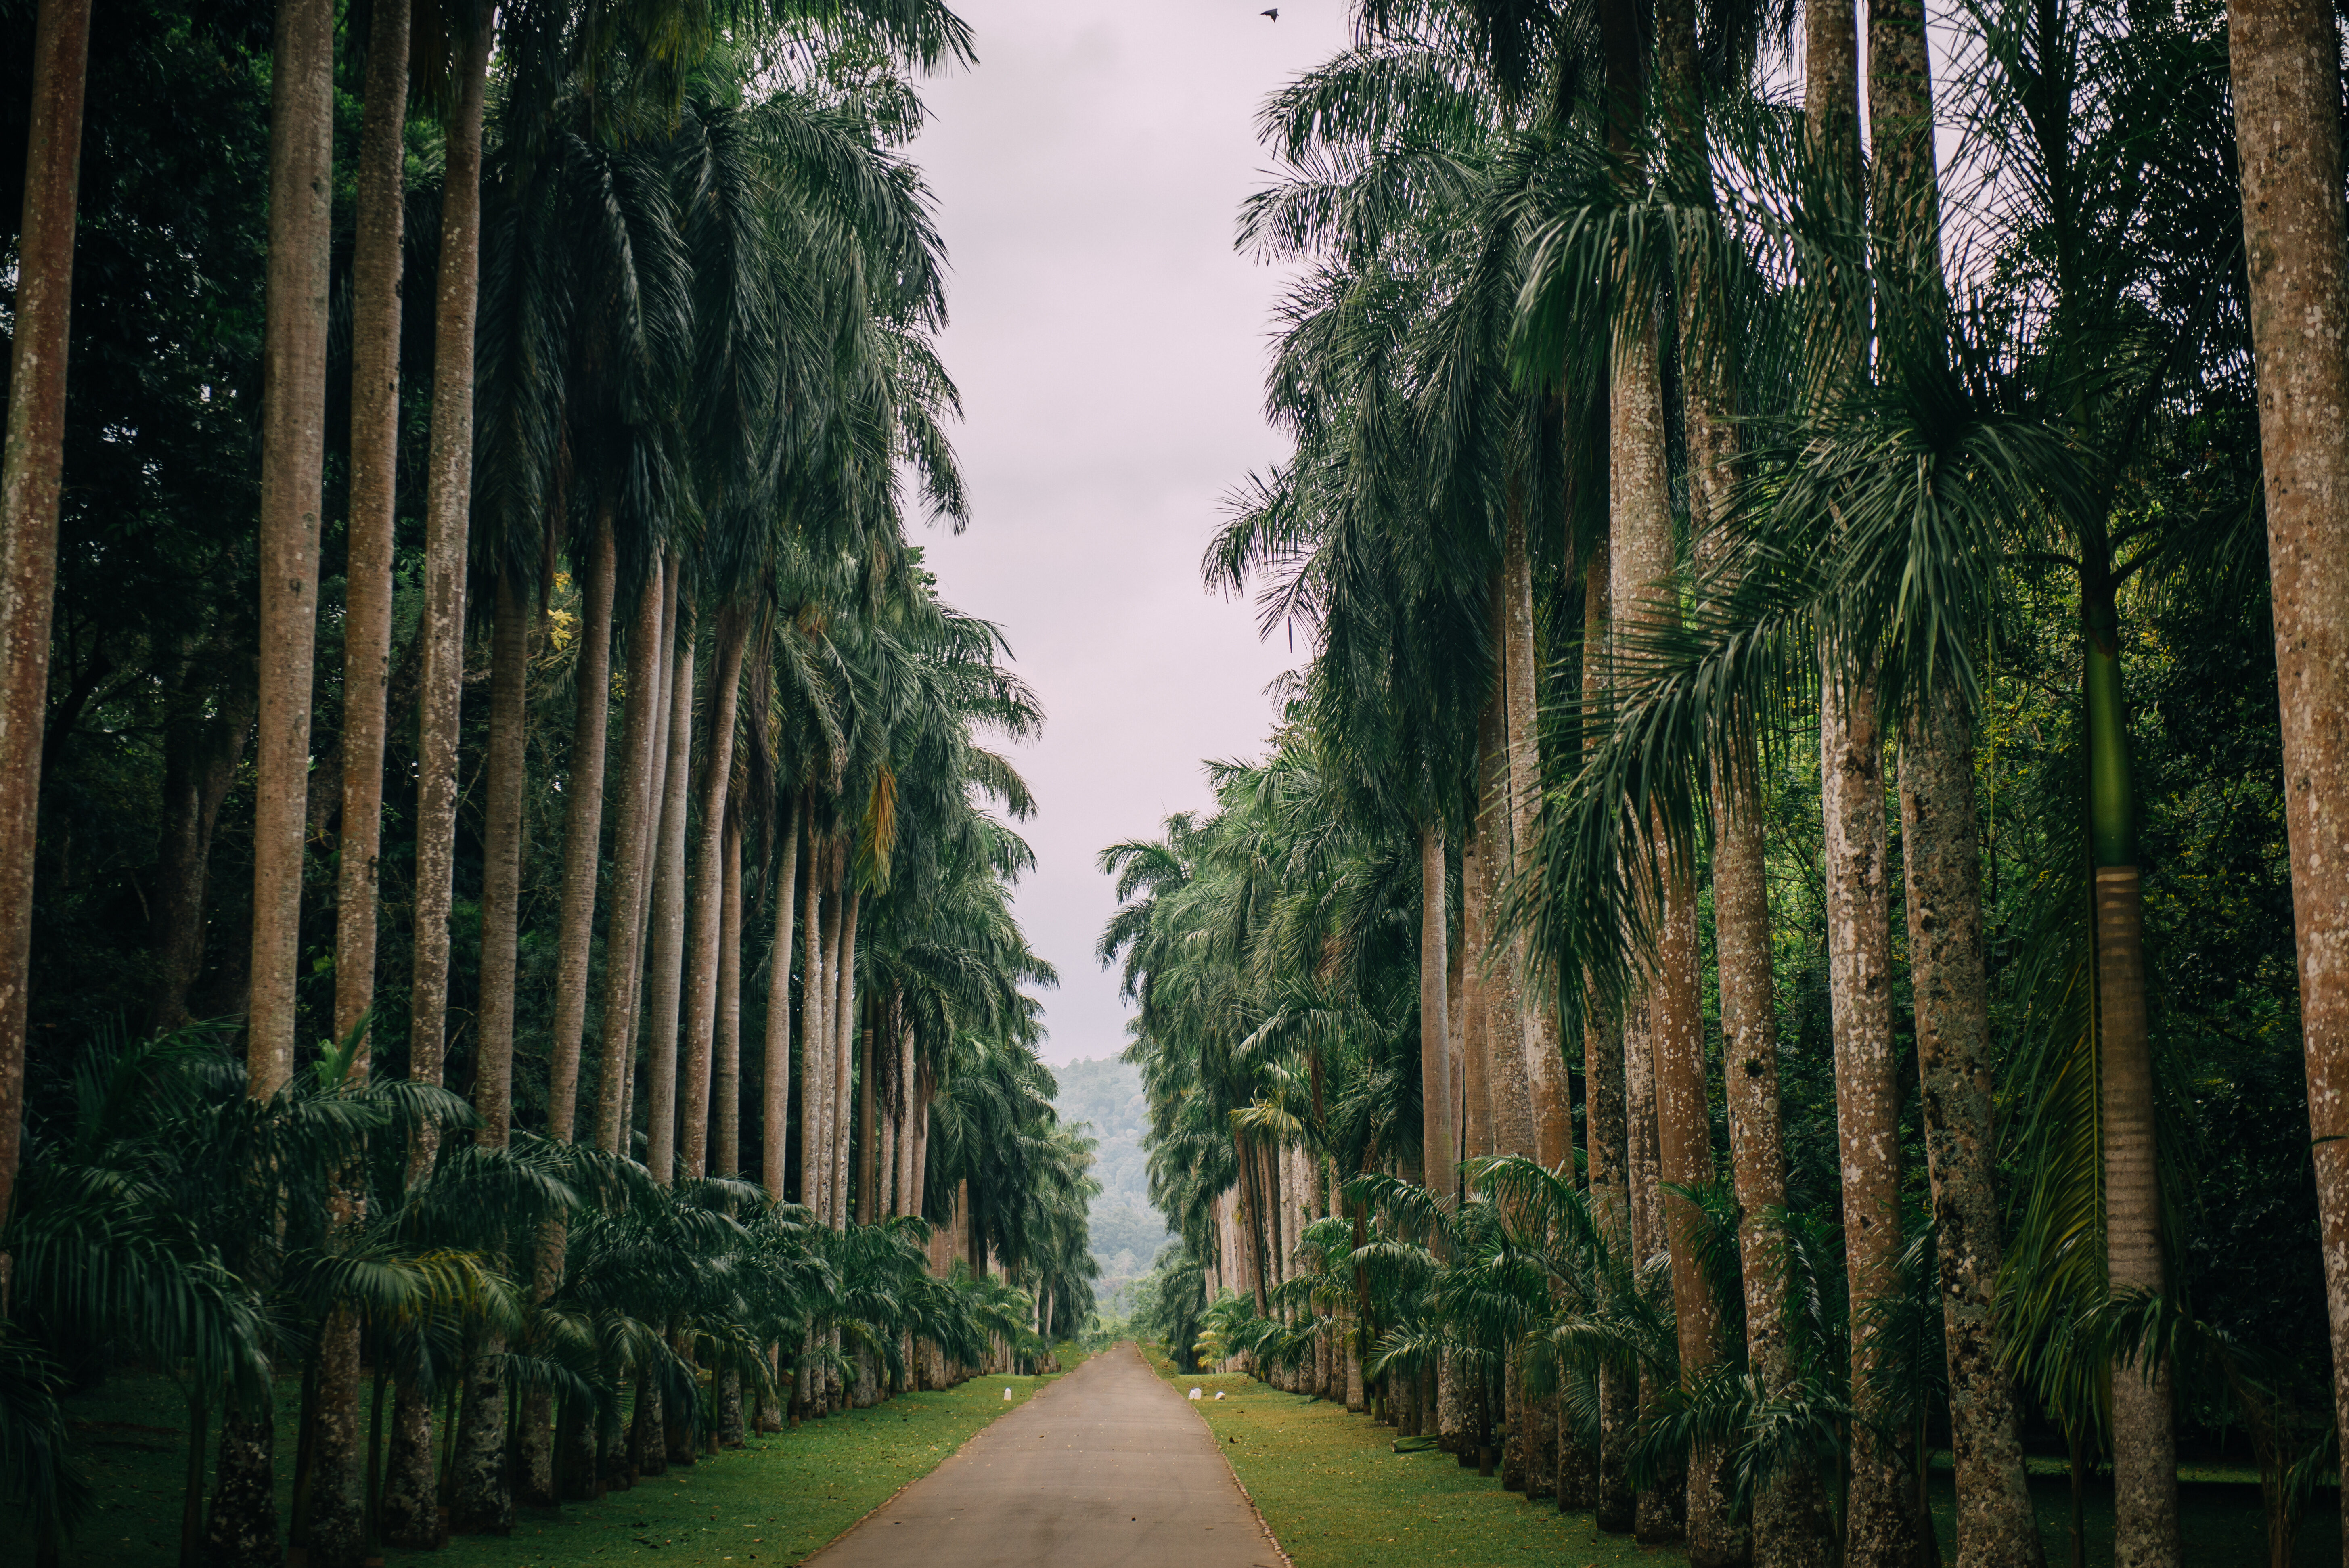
pixel 1273 13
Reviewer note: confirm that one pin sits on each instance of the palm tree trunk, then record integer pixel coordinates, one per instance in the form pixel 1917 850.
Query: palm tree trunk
pixel 2282 54
pixel 775 1106
pixel 1440 1145
pixel 918 1198
pixel 1657 1511
pixel 31 471
pixel 727 1122
pixel 1881 1523
pixel 204 735
pixel 501 856
pixel 243 1524
pixel 656 782
pixel 844 1018
pixel 1475 1053
pixel 1792 1526
pixel 708 913
pixel 1251 1197
pixel 666 973
pixel 1504 1018
pixel 583 827
pixel 1553 1116
pixel 1940 848
pixel 1552 1131
pixel 447 520
pixel 1941 853
pixel 1661 1030
pixel 374 463
pixel 1643 596
pixel 292 456
pixel 2144 1443
pixel 815 1128
pixel 640 721
pixel 337 1534
pixel 1605 1131
pixel 482 1502
pixel 867 1126
pixel 1439 1154
pixel 1506 1048
pixel 1475 1083
pixel 1790 1522
pixel 909 1194
pixel 889 1104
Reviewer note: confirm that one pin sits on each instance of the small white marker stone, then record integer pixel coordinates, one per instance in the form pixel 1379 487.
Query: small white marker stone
pixel 1195 1393
pixel 1007 1396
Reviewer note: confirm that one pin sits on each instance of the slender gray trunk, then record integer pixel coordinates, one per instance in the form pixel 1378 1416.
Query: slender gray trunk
pixel 726 1124
pixel 867 1128
pixel 666 972
pixel 337 1535
pixel 775 1106
pixel 482 1503
pixel 1606 1131
pixel 503 783
pixel 706 915
pixel 1881 1523
pixel 623 954
pixel 374 463
pixel 1441 1156
pixel 648 860
pixel 583 827
pixel 447 521
pixel 816 940
pixel 909 1196
pixel 293 458
pixel 1940 849
pixel 844 1018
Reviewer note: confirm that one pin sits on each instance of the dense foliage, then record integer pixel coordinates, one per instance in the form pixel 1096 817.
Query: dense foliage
pixel 1712 541
pixel 664 1060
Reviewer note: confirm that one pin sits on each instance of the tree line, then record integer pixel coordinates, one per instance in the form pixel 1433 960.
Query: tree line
pixel 507 906
pixel 1787 923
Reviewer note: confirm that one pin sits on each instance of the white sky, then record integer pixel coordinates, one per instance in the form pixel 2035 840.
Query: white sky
pixel 1110 345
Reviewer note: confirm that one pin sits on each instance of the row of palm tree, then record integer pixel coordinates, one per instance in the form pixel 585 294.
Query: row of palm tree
pixel 1660 448
pixel 668 322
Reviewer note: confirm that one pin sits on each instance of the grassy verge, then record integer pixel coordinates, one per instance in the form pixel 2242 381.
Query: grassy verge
pixel 1338 1496
pixel 772 1502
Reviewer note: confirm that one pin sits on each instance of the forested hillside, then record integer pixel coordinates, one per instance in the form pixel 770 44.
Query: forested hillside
pixel 1126 1231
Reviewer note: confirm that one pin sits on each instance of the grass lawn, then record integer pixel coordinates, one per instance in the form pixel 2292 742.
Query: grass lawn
pixel 771 1503
pixel 1338 1496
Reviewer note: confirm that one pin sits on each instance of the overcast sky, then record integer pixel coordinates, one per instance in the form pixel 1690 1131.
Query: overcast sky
pixel 1110 345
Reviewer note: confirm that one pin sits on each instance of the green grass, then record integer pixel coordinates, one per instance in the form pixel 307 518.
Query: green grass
pixel 1338 1496
pixel 769 1503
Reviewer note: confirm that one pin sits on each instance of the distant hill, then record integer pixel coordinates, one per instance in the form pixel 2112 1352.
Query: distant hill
pixel 1126 1231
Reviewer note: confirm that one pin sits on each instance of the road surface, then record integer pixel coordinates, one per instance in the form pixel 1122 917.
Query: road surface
pixel 1107 1468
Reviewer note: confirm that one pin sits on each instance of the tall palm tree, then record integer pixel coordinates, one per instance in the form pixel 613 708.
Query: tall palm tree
pixel 31 468
pixel 243 1524
pixel 447 500
pixel 2284 61
pixel 337 1516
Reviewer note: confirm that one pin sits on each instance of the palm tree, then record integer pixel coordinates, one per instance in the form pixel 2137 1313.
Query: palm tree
pixel 448 499
pixel 623 962
pixel 30 471
pixel 338 1517
pixel 244 1524
pixel 2285 73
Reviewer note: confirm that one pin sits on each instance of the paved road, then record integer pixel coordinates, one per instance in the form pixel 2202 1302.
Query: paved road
pixel 1107 1468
